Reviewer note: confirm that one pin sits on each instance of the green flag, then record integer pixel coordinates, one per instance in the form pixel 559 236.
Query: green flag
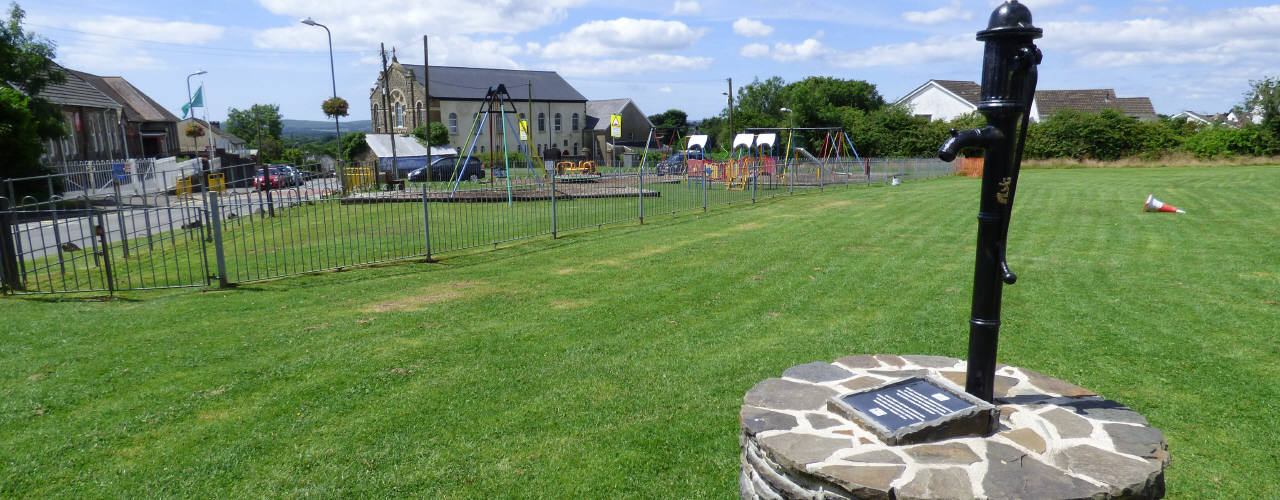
pixel 196 102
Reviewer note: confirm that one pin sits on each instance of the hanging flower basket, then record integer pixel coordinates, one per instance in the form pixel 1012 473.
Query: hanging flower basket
pixel 194 130
pixel 335 107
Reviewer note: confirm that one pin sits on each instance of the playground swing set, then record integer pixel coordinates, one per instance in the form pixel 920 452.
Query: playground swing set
pixel 500 97
pixel 756 153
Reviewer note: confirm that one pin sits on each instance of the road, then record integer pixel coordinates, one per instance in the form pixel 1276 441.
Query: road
pixel 161 216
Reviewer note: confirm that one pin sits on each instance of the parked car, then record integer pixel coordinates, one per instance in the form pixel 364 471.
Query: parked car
pixel 675 164
pixel 274 178
pixel 292 177
pixel 442 170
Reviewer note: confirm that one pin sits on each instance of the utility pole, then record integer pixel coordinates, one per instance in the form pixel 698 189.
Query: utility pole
pixel 386 113
pixel 426 83
pixel 732 131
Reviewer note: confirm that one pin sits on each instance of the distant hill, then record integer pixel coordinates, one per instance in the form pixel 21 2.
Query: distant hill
pixel 320 129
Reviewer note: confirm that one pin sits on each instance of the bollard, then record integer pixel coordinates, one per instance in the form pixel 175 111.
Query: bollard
pixel 1009 74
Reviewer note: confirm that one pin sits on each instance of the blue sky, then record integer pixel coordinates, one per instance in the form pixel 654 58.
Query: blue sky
pixel 1184 54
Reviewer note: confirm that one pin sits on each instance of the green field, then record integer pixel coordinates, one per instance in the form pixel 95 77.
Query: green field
pixel 612 363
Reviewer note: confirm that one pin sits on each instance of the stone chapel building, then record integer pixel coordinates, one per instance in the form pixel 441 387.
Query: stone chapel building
pixel 558 118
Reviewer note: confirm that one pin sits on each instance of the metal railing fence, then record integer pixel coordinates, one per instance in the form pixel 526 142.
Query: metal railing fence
pixel 155 226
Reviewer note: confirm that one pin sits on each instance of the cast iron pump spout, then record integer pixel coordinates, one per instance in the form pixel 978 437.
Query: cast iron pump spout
pixel 972 138
pixel 1008 86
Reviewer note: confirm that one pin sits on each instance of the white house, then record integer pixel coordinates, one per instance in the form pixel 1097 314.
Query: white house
pixel 949 99
pixel 943 100
pixel 1193 117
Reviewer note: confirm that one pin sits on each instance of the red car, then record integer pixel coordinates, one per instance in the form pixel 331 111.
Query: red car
pixel 274 179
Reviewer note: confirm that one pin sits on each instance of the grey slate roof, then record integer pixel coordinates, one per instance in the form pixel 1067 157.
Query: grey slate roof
pixel 457 83
pixel 77 92
pixel 598 112
pixel 969 91
pixel 138 107
pixel 1093 101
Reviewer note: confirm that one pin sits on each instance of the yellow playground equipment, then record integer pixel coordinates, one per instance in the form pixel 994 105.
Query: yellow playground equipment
pixel 585 167
pixel 738 173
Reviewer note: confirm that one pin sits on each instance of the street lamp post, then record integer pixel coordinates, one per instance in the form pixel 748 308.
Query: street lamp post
pixel 333 78
pixel 194 141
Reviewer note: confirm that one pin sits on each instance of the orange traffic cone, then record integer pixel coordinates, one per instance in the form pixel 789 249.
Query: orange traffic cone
pixel 1154 205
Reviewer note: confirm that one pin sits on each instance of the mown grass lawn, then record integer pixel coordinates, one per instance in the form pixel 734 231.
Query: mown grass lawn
pixel 612 363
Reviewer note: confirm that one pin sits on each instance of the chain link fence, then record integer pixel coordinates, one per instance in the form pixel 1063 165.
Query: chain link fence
pixel 150 224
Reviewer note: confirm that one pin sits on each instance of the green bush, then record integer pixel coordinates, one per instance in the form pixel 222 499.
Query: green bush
pixel 353 144
pixel 1228 142
pixel 495 159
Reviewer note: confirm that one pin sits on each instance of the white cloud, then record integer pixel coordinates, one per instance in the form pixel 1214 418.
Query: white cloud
pixel 665 89
pixel 953 12
pixel 751 28
pixel 365 23
pixel 120 43
pixel 621 67
pixel 918 52
pixel 754 50
pixel 686 7
pixel 621 37
pixel 809 49
pixel 1218 38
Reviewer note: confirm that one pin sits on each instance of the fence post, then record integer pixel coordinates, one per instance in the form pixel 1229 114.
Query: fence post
pixel 426 221
pixel 9 276
pixel 101 233
pixel 215 220
pixel 553 204
pixel 755 179
pixel 640 192
pixel 124 235
pixel 794 170
pixel 706 178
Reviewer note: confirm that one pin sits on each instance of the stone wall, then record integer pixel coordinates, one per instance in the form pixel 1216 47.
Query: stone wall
pixel 1055 440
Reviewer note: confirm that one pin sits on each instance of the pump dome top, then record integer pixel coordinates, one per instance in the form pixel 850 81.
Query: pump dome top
pixel 1010 19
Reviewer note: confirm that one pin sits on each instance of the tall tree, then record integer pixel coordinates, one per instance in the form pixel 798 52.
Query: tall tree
pixel 817 101
pixel 670 118
pixel 763 99
pixel 256 124
pixel 26 119
pixel 1263 98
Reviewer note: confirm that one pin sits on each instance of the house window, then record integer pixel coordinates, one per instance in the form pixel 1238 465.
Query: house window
pixel 558 122
pixel 377 117
pixel 575 122
pixel 542 122
pixel 575 148
pixel 399 111
pixel 453 123
pixel 421 114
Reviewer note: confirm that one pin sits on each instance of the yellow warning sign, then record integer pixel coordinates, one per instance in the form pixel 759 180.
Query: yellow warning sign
pixel 615 125
pixel 524 130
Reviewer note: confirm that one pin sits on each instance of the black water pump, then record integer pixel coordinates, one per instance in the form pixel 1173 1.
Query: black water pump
pixel 1008 85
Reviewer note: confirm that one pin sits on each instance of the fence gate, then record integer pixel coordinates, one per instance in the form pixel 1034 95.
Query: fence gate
pixel 124 240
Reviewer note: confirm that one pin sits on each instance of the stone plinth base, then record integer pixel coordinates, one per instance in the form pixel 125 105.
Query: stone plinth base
pixel 1055 440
